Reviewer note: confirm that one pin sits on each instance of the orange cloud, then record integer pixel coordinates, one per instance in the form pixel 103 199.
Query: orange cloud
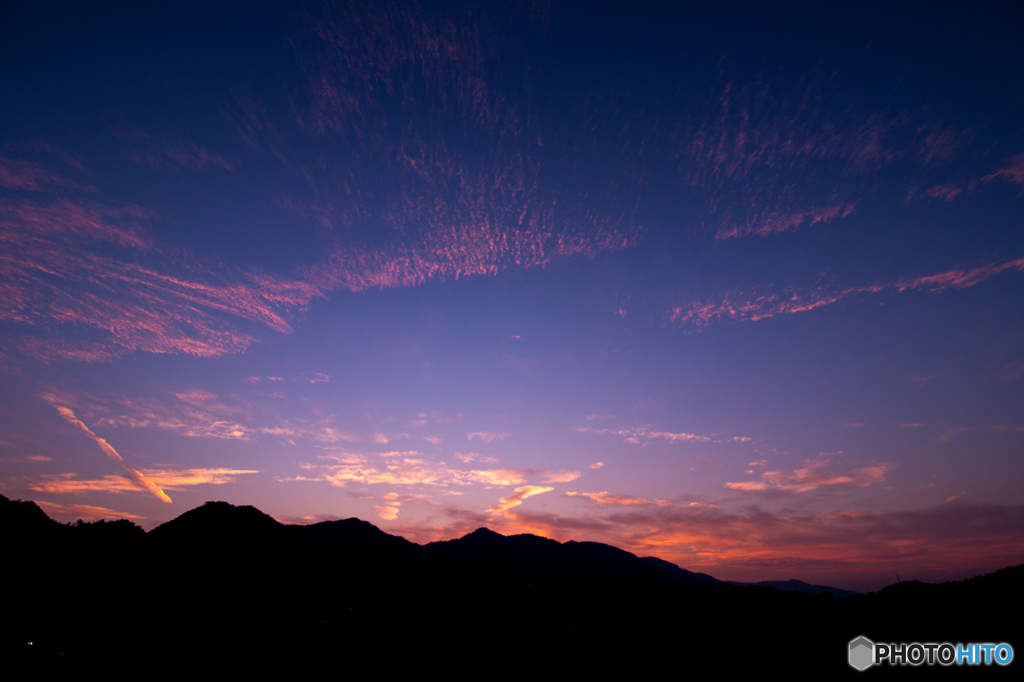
pixel 67 483
pixel 178 479
pixel 171 479
pixel 516 498
pixel 73 512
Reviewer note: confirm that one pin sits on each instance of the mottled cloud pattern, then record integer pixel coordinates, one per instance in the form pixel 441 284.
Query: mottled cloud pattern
pixel 447 171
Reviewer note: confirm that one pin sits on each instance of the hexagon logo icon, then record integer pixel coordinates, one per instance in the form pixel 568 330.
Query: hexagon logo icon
pixel 862 653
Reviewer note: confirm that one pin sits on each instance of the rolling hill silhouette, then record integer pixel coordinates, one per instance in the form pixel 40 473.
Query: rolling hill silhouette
pixel 232 586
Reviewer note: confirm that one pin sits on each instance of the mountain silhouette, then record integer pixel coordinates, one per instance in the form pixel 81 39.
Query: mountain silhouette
pixel 231 587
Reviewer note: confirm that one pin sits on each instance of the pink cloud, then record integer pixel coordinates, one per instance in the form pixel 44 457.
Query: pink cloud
pixel 758 157
pixel 776 222
pixel 618 500
pixel 959 278
pixel 944 192
pixel 195 157
pixel 812 476
pixel 741 306
pixel 61 290
pixel 1013 171
pixel 31 177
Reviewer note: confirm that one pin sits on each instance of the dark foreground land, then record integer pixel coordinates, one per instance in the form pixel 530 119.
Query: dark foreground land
pixel 230 588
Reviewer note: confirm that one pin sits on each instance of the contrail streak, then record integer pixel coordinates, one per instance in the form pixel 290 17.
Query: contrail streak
pixel 109 451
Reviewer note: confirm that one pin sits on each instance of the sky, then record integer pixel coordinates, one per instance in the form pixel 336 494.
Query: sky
pixel 738 286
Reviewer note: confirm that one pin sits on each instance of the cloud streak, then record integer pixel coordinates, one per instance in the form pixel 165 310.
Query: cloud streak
pixel 617 500
pixel 642 435
pixel 133 475
pixel 170 479
pixel 743 306
pixel 73 512
pixel 86 282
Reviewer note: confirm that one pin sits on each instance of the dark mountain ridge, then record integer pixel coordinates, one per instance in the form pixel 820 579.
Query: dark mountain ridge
pixel 234 576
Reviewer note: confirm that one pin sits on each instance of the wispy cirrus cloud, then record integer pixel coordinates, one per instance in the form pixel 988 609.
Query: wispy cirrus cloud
pixel 777 222
pixel 195 413
pixel 438 208
pixel 752 306
pixel 158 153
pixel 323 431
pixel 86 282
pixel 1012 171
pixel 617 500
pixel 742 306
pixel 33 177
pixel 959 278
pixel 814 475
pixel 765 154
pixel 642 435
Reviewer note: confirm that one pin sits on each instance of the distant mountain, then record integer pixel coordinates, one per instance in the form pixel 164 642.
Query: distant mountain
pixel 798 586
pixel 681 575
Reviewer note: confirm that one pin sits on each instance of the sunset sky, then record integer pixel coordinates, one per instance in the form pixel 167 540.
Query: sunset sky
pixel 741 288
